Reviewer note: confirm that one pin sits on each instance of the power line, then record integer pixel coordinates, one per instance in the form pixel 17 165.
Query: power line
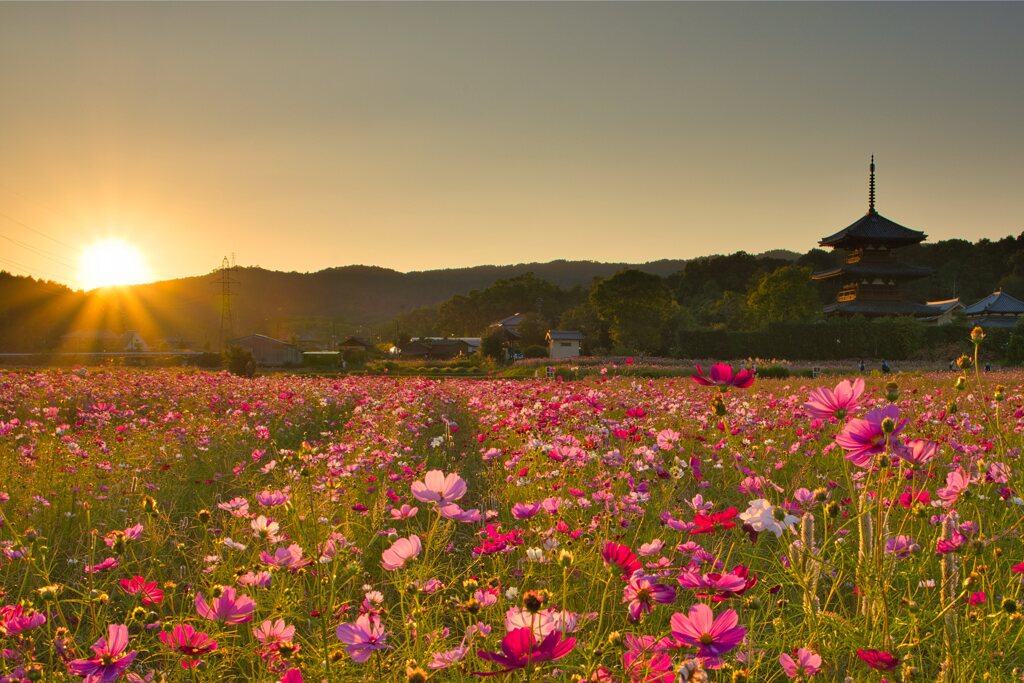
pixel 38 232
pixel 32 271
pixel 39 252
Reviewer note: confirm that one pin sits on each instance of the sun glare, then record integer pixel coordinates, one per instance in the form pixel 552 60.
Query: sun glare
pixel 111 262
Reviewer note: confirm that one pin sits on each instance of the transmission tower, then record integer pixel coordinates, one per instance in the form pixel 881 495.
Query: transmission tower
pixel 227 321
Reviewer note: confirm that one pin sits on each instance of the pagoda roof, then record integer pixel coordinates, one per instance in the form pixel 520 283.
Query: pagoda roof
pixel 996 302
pixel 873 228
pixel 867 307
pixel 890 270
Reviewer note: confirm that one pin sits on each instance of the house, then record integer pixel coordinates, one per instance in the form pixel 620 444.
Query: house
pixel 998 309
pixel 563 343
pixel 269 351
pixel 357 344
pixel 102 341
pixel 942 312
pixel 509 326
pixel 435 348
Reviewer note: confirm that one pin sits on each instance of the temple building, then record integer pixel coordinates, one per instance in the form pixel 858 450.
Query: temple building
pixel 871 279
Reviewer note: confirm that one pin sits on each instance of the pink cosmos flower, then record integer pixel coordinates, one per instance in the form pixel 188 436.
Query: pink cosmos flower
pixel 274 632
pixel 404 512
pixel 442 660
pixel 865 438
pixel 917 452
pixel 151 595
pixel 641 593
pixel 292 675
pixel 826 403
pixel 400 551
pixel 14 619
pixel 230 607
pixel 878 659
pixel 902 546
pixel 109 660
pixel 519 648
pixel 258 579
pixel 647 660
pixel 525 510
pixel 803 662
pixel 106 564
pixel 617 555
pixel 362 637
pixel 289 558
pixel 454 512
pixel 185 640
pixel 437 487
pixel 713 636
pixel 957 482
pixel 717 586
pixel 269 499
pixel 721 375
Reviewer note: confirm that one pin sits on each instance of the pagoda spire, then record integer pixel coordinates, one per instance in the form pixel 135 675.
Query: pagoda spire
pixel 871 187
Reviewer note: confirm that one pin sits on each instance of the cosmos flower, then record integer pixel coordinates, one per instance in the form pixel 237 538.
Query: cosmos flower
pixel 827 403
pixel 865 438
pixel 760 516
pixel 230 607
pixel 620 556
pixel 151 594
pixel 362 637
pixel 109 659
pixel 721 375
pixel 878 659
pixel 803 662
pixel 713 636
pixel 437 487
pixel 706 524
pixel 402 550
pixel 641 593
pixel 519 648
pixel 185 640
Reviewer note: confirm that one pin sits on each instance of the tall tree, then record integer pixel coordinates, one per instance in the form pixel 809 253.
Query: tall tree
pixel 785 295
pixel 636 306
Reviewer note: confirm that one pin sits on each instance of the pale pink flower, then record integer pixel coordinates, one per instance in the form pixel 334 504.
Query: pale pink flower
pixel 437 487
pixel 362 637
pixel 229 608
pixel 402 550
pixel 804 662
pixel 844 399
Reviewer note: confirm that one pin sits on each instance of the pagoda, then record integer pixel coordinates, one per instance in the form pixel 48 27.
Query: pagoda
pixel 870 281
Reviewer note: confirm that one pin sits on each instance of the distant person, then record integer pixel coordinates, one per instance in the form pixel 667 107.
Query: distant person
pixel 952 365
pixel 988 367
pixel 885 367
pixel 862 365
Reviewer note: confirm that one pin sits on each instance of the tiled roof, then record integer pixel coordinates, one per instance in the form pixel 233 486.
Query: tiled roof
pixel 873 228
pixel 997 302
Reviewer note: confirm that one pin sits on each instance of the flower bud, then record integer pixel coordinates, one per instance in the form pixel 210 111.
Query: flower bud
pixel 977 335
pixel 892 391
pixel 888 425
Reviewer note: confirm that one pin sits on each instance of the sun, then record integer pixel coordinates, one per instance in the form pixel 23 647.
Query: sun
pixel 111 262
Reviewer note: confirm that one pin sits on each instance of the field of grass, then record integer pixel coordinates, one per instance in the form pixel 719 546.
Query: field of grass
pixel 202 527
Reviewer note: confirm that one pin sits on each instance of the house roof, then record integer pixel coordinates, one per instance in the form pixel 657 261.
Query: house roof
pixel 564 335
pixel 873 228
pixel 945 305
pixel 863 307
pixel 889 270
pixel 996 302
pixel 260 337
pixel 510 321
pixel 357 341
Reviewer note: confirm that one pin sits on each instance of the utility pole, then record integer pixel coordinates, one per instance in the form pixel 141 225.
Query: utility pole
pixel 227 322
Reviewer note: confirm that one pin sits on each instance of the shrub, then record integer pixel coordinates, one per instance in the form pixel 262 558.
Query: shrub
pixel 240 361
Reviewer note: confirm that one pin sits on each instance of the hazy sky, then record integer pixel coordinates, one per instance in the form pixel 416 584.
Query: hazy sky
pixel 415 136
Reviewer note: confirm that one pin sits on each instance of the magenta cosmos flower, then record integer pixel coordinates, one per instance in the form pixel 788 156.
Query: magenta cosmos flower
pixel 803 662
pixel 714 636
pixel 437 487
pixel 838 403
pixel 617 555
pixel 109 660
pixel 519 648
pixel 721 376
pixel 151 594
pixel 878 659
pixel 230 607
pixel 362 637
pixel 186 641
pixel 867 437
pixel 641 593
pixel 402 550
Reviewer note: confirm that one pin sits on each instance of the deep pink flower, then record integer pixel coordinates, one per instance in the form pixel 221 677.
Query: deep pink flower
pixel 713 636
pixel 439 488
pixel 362 637
pixel 878 659
pixel 803 662
pixel 186 641
pixel 292 675
pixel 519 648
pixel 826 403
pixel 865 438
pixel 230 607
pixel 402 550
pixel 646 659
pixel 106 564
pixel 641 593
pixel 14 619
pixel 109 660
pixel 151 594
pixel 718 586
pixel 721 375
pixel 618 555
pixel 706 524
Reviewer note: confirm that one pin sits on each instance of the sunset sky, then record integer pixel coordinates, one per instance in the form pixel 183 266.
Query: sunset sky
pixel 300 136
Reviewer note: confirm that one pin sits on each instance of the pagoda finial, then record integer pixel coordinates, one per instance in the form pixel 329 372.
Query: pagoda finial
pixel 871 187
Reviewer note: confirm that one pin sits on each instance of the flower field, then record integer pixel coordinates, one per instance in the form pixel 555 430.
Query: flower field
pixel 202 527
